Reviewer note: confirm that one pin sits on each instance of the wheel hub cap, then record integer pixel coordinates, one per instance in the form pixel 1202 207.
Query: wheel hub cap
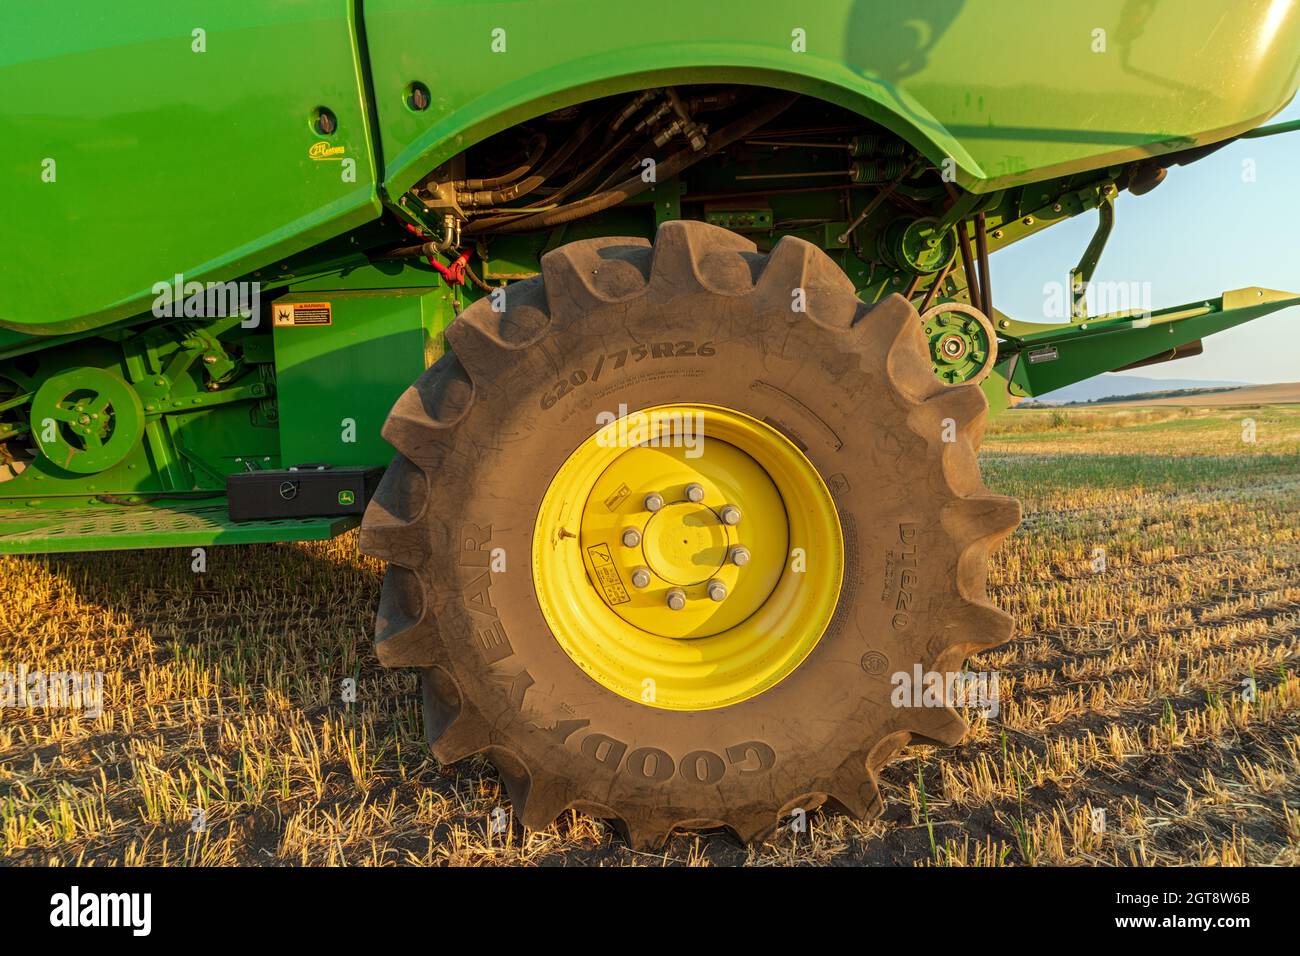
pixel 652 603
pixel 685 543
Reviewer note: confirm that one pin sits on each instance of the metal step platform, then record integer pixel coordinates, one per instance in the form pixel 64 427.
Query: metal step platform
pixel 157 524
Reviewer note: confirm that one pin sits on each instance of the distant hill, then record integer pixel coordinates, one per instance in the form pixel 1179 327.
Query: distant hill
pixel 1283 393
pixel 1110 385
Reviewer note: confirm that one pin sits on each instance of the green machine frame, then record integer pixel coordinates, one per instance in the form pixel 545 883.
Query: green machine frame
pixel 302 147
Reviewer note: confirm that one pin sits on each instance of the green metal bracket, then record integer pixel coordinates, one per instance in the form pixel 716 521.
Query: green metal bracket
pixel 1081 274
pixel 211 399
pixel 1291 126
pixel 966 205
pixel 667 197
pixel 1054 356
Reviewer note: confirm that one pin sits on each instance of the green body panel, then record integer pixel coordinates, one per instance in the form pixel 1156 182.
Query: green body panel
pixel 386 339
pixel 167 160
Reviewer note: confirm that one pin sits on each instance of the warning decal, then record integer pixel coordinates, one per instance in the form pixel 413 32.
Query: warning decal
pixel 607 576
pixel 617 496
pixel 301 313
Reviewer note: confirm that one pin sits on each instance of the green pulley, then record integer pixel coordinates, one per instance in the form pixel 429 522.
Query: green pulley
pixel 963 345
pixel 86 420
pixel 918 245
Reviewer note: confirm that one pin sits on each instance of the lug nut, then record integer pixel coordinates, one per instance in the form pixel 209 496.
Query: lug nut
pixel 729 514
pixel 740 555
pixel 641 578
pixel 654 501
pixel 676 599
pixel 631 537
pixel 717 590
pixel 694 492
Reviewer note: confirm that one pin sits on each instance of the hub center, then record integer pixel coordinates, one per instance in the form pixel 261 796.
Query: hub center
pixel 685 543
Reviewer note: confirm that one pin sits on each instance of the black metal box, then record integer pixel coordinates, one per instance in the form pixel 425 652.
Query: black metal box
pixel 306 491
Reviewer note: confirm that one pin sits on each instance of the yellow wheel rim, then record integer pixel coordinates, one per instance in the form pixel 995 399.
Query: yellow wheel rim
pixel 687 557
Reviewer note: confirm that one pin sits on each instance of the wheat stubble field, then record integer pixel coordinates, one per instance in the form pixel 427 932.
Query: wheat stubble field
pixel 1122 692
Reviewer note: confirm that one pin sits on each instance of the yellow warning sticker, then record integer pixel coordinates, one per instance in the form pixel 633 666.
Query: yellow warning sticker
pixel 301 313
pixel 607 576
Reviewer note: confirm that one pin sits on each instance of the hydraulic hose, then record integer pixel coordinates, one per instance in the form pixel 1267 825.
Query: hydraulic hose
pixel 522 188
pixel 635 185
pixel 536 146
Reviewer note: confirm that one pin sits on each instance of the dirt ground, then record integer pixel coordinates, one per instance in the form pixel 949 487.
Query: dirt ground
pixel 1149 712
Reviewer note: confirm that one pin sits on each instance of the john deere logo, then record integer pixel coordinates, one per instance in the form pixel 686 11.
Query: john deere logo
pixel 346 497
pixel 323 150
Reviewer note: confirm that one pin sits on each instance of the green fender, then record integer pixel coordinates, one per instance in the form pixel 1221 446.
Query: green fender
pixel 1013 91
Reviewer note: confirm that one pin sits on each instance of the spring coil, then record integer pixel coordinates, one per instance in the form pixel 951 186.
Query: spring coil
pixel 876 144
pixel 878 169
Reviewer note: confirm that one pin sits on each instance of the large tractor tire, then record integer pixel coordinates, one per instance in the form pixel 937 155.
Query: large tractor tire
pixel 678 633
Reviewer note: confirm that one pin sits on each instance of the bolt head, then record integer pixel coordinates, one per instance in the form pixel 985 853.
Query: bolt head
pixel 694 492
pixel 654 501
pixel 640 578
pixel 631 537
pixel 730 514
pixel 717 590
pixel 676 599
pixel 740 556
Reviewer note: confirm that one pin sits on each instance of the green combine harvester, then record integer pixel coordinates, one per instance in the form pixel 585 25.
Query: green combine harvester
pixel 670 329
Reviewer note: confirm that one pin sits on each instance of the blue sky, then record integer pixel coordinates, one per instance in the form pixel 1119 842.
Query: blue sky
pixel 1200 233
